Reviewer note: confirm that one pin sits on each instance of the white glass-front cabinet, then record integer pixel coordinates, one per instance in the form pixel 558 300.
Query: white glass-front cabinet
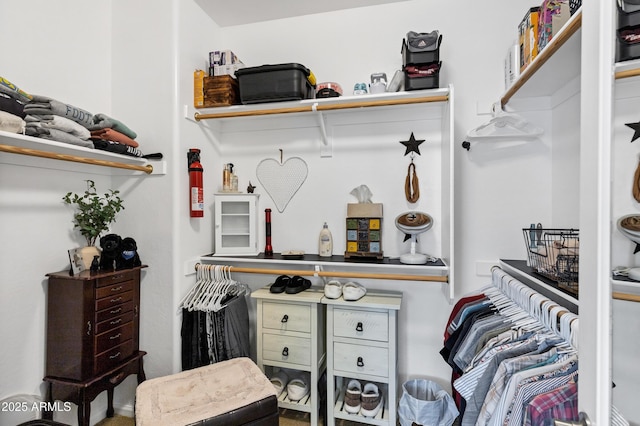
pixel 236 224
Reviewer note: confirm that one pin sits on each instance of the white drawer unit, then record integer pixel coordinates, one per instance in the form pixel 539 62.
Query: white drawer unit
pixel 362 344
pixel 290 334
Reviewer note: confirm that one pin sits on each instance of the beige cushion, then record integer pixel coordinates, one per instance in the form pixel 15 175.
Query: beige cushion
pixel 201 393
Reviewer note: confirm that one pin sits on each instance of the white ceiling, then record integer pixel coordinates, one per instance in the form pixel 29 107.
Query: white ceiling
pixel 237 12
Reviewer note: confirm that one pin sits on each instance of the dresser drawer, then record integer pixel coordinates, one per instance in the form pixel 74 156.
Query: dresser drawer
pixel 114 289
pixel 113 357
pixel 111 301
pixel 114 311
pixel 115 337
pixel 114 278
pixel 357 324
pixel 286 317
pixel 114 322
pixel 361 359
pixel 294 350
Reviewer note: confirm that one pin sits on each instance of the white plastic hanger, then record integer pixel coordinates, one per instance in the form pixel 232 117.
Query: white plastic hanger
pixel 504 126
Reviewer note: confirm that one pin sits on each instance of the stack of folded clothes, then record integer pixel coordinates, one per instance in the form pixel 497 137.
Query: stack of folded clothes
pixel 12 102
pixel 48 118
pixel 110 134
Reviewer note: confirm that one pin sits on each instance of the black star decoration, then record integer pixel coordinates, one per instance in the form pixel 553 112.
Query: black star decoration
pixel 412 145
pixel 636 128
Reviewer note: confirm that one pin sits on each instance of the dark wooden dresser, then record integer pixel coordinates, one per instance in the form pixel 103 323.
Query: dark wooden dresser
pixel 93 322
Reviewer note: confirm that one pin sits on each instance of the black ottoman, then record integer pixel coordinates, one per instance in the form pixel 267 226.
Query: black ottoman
pixel 230 393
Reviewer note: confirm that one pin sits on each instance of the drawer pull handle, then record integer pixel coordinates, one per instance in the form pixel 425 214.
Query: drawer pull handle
pixel 116 311
pixel 115 337
pixel 359 327
pixel 285 318
pixel 119 320
pixel 360 362
pixel 117 299
pixel 114 356
pixel 285 351
pixel 116 288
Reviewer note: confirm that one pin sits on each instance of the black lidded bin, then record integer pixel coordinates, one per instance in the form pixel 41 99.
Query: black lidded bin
pixel 274 83
pixel 628 14
pixel 428 56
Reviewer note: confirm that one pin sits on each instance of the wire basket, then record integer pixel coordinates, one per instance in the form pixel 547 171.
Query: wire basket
pixel 554 254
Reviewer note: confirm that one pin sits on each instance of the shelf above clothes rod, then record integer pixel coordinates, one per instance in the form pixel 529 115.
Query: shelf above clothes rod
pixel 326 104
pixel 565 34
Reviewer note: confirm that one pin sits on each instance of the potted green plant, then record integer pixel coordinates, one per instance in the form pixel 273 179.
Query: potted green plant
pixel 94 215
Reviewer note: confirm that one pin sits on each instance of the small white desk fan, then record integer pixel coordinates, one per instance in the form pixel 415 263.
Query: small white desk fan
pixel 413 223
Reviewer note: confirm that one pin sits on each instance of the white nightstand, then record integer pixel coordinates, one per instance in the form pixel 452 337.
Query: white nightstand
pixel 362 344
pixel 291 334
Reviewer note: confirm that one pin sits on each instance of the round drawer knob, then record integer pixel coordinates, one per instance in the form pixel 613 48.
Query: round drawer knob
pixel 285 318
pixel 360 362
pixel 359 327
pixel 285 351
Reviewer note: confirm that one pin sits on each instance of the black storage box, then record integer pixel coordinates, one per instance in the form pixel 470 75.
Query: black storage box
pixel 628 14
pixel 422 82
pixel 273 83
pixel 424 57
pixel 628 44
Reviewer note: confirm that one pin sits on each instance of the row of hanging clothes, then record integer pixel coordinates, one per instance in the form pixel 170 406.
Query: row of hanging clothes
pixel 215 318
pixel 513 354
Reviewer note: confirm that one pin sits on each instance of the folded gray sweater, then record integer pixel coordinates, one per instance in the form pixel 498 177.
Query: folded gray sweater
pixel 42 105
pixel 59 123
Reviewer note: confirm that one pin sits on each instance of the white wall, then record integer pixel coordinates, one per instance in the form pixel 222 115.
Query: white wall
pixel 50 53
pixel 117 57
pixel 491 179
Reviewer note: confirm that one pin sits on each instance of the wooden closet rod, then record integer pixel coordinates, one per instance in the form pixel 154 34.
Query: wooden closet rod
pixel 55 156
pixel 627 73
pixel 320 107
pixel 404 277
pixel 626 296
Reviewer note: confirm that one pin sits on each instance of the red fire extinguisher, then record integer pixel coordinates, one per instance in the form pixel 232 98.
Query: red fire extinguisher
pixel 196 198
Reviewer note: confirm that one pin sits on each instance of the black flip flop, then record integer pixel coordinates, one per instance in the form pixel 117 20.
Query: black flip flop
pixel 297 284
pixel 280 284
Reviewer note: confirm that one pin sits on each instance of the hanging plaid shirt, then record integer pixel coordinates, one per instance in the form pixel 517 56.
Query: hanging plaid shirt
pixel 558 404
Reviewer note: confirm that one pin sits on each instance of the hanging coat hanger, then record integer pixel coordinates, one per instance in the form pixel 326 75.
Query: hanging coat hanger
pixel 503 126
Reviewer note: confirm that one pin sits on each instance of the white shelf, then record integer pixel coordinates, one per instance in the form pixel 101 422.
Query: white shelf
pixel 324 112
pixel 30 151
pixel 557 64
